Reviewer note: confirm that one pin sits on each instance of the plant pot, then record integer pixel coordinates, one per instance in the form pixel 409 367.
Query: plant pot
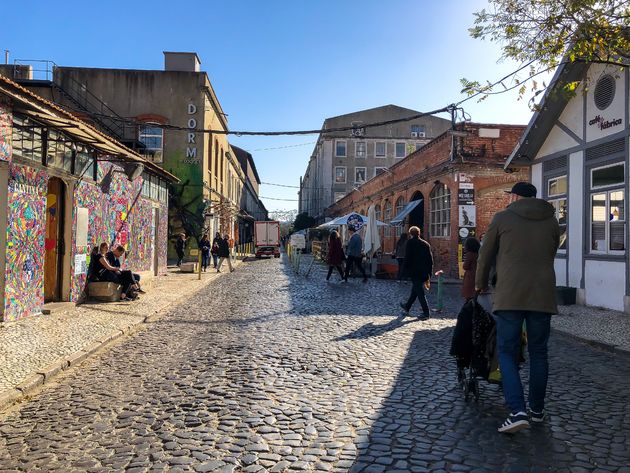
pixel 566 295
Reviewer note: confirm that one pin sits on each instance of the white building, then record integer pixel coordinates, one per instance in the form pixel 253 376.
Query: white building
pixel 578 147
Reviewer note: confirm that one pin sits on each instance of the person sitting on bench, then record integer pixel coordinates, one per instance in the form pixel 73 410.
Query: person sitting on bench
pixel 103 271
pixel 113 257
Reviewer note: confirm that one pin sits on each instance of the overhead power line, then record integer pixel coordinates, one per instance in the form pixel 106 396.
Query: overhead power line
pixel 284 147
pixel 279 185
pixel 449 108
pixel 274 198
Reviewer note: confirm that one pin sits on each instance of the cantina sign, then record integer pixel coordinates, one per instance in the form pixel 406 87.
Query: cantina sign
pixel 604 124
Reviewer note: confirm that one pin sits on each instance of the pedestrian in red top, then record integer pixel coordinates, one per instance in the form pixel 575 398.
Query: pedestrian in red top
pixel 471 252
pixel 336 255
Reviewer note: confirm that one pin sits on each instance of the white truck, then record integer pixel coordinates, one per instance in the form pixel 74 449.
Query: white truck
pixel 267 239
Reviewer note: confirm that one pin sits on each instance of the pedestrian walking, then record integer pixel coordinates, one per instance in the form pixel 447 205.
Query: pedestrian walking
pixel 522 240
pixel 354 253
pixel 418 265
pixel 336 255
pixel 401 244
pixel 215 249
pixel 471 253
pixel 180 248
pixel 205 251
pixel 224 253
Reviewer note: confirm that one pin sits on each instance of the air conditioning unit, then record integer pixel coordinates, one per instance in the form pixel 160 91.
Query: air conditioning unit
pixel 414 134
pixel 420 134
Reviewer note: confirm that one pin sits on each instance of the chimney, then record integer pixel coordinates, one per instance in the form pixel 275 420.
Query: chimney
pixel 186 62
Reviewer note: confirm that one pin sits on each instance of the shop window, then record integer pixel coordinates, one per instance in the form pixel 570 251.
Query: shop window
pixel 440 213
pixel 608 214
pixel 557 196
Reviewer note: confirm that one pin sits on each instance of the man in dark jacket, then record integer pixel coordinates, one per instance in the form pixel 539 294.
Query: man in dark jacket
pixel 418 265
pixel 180 248
pixel 522 240
pixel 224 253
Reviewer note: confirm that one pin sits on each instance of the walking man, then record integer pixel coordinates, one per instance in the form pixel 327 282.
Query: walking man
pixel 418 265
pixel 180 248
pixel 224 253
pixel 354 253
pixel 522 240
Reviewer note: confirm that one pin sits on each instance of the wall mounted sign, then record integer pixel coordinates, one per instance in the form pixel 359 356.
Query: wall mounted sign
pixel 191 148
pixel 604 124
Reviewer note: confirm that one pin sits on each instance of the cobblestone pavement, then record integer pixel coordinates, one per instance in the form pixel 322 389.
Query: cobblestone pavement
pixel 30 345
pixel 266 371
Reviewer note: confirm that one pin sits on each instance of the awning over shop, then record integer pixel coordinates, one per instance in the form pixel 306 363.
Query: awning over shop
pixel 398 219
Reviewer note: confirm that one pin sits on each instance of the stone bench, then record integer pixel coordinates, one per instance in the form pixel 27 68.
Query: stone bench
pixel 188 267
pixel 104 291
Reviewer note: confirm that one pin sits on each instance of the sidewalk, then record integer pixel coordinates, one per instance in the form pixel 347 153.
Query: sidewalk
pixel 603 328
pixel 35 349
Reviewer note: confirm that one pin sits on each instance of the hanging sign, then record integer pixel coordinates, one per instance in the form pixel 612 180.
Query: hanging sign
pixel 356 221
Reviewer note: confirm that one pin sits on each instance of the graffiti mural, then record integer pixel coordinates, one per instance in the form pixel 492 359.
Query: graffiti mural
pixel 6 127
pixel 26 210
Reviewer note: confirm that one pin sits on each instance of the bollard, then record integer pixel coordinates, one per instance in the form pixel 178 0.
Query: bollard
pixel 297 265
pixel 199 265
pixel 440 302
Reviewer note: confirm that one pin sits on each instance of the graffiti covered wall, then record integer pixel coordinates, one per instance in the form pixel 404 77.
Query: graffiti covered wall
pixel 6 127
pixel 111 218
pixel 26 212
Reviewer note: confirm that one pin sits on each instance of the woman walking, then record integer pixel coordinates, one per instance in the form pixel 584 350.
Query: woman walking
pixel 205 252
pixel 471 252
pixel 336 255
pixel 215 249
pixel 400 254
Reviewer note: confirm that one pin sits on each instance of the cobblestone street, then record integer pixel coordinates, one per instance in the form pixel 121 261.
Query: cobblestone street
pixel 266 371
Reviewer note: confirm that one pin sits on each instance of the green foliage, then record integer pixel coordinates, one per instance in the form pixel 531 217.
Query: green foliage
pixel 303 221
pixel 539 34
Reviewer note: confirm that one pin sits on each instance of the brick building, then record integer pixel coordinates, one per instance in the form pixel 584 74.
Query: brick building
pixel 450 188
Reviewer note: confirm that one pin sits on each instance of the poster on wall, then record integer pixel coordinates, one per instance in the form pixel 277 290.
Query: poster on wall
pixel 466 194
pixel 467 216
pixel 80 264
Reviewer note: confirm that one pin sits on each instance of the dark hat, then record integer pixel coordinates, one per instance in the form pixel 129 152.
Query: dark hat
pixel 524 189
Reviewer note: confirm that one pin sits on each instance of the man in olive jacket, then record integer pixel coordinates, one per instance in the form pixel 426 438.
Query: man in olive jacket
pixel 522 241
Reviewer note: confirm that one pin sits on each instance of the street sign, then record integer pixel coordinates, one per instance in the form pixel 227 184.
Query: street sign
pixel 466 196
pixel 298 241
pixel 467 216
pixel 356 221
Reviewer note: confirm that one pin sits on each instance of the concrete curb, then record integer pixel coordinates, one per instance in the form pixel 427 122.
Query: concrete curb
pixel 614 349
pixel 43 376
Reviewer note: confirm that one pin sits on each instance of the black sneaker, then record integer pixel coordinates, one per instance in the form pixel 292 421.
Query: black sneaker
pixel 514 423
pixel 424 317
pixel 404 308
pixel 537 417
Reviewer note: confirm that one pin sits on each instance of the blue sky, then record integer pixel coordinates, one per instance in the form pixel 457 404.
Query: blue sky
pixel 280 65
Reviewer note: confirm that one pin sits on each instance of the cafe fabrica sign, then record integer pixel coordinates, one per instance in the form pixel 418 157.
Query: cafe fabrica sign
pixel 191 145
pixel 604 124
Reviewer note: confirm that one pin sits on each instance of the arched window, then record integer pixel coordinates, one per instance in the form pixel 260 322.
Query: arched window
pixel 377 211
pixel 440 219
pixel 387 217
pixel 400 205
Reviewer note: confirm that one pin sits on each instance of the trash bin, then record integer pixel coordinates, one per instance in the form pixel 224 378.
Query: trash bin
pixel 566 295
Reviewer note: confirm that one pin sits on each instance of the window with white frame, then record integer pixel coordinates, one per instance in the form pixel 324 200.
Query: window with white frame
pixel 359 175
pixel 387 217
pixel 440 213
pixel 340 149
pixel 401 150
pixel 152 137
pixel 557 196
pixel 608 209
pixel 380 149
pixel 379 170
pixel 400 206
pixel 360 149
pixel 340 175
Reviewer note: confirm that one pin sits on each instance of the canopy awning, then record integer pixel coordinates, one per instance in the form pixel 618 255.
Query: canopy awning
pixel 398 219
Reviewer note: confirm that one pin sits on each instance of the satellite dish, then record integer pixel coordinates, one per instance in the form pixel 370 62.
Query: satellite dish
pixel 133 170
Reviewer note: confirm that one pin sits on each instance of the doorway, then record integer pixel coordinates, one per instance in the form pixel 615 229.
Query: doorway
pixel 416 217
pixel 53 241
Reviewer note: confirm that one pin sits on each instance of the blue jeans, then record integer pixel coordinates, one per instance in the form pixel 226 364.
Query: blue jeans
pixel 509 328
